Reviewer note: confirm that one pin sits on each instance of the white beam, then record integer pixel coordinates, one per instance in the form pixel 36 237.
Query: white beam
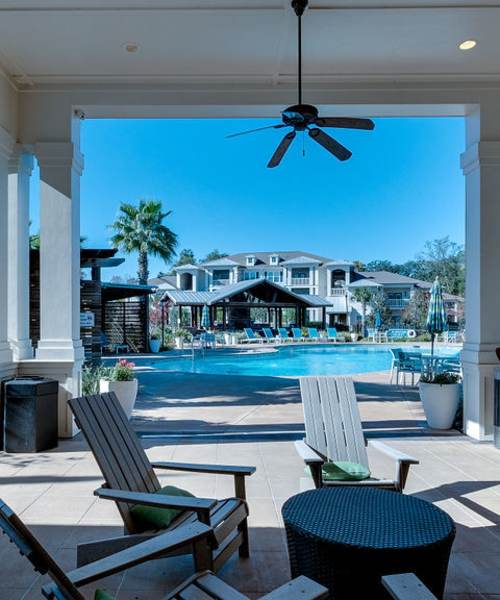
pixel 6 145
pixel 20 168
pixel 61 165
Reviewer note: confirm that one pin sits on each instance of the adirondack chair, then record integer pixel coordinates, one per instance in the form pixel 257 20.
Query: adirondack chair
pixel 205 586
pixel 406 586
pixel 202 586
pixel 64 586
pixel 130 479
pixel 334 432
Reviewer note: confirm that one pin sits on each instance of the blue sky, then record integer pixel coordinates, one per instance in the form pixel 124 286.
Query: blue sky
pixel 402 186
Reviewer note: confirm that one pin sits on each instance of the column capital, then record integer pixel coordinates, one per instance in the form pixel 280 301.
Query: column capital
pixel 59 154
pixel 484 154
pixel 7 143
pixel 20 161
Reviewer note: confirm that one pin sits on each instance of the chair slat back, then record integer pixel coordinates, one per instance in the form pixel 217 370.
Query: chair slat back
pixel 115 446
pixel 332 420
pixel 30 547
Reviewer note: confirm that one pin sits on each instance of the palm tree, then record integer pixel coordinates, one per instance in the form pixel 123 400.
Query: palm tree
pixel 140 229
pixel 363 296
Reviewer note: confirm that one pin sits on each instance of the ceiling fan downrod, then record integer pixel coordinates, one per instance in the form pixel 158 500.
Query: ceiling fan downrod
pixel 299 7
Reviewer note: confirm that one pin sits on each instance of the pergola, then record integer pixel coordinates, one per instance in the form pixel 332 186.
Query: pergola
pixel 237 300
pixel 66 60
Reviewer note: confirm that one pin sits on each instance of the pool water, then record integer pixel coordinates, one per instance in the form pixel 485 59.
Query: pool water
pixel 287 361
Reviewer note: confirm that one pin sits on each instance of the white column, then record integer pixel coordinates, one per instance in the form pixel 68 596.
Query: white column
pixel 61 165
pixel 481 167
pixel 6 145
pixel 20 168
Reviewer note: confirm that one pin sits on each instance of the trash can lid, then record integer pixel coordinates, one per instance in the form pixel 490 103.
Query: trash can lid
pixel 31 386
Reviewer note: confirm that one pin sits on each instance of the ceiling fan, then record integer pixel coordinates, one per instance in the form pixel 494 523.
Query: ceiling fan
pixel 303 117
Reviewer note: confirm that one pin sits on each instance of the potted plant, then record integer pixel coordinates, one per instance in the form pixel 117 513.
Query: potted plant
pixel 120 380
pixel 440 395
pixel 154 342
pixel 354 336
pixel 181 336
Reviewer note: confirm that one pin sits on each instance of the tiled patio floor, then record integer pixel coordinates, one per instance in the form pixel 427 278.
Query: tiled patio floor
pixel 53 491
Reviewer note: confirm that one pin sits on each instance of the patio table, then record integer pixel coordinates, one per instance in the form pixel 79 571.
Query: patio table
pixel 346 538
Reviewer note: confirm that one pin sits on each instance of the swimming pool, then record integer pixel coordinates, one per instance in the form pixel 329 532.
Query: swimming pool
pixel 287 361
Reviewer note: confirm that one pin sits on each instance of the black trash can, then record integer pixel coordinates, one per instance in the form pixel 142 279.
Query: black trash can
pixel 496 410
pixel 30 414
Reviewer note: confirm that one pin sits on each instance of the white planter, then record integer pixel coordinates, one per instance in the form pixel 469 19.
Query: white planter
pixel 440 403
pixel 179 343
pixel 354 337
pixel 230 339
pixel 154 345
pixel 126 392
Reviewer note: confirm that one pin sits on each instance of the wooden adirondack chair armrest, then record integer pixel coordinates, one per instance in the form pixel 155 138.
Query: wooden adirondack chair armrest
pixel 148 550
pixel 406 586
pixel 313 460
pixel 301 587
pixel 201 506
pixel 403 461
pixel 238 472
pixel 200 468
pixel 308 454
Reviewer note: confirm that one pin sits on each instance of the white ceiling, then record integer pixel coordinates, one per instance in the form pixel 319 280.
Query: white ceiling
pixel 244 40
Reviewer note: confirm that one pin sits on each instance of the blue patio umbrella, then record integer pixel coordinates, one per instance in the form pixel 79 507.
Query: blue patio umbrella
pixel 378 320
pixel 205 317
pixel 436 315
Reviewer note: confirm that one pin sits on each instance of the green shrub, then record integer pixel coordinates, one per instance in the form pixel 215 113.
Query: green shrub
pixel 445 378
pixel 91 377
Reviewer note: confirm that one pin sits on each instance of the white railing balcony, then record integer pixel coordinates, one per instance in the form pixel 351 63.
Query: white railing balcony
pixel 220 281
pixel 337 291
pixel 300 281
pixel 396 303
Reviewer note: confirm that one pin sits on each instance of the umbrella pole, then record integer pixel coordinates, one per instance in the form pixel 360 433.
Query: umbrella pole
pixel 432 354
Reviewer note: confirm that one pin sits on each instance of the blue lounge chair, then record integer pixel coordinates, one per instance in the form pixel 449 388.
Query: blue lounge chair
pixel 268 335
pixel 313 334
pixel 331 334
pixel 283 335
pixel 297 334
pixel 251 337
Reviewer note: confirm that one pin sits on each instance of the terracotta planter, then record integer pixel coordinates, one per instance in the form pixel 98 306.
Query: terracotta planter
pixel 154 345
pixel 440 403
pixel 126 392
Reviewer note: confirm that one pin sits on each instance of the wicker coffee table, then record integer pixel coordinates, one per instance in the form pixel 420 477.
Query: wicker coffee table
pixel 346 538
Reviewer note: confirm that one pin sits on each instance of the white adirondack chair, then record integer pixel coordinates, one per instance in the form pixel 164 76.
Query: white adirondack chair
pixel 334 432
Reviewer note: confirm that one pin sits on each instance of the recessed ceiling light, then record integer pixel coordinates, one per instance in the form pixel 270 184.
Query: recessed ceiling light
pixel 131 47
pixel 467 44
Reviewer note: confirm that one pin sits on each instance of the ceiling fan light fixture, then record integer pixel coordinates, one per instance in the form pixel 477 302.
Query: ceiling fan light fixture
pixel 131 47
pixel 467 44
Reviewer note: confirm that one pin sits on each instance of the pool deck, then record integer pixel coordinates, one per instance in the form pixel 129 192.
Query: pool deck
pixel 53 491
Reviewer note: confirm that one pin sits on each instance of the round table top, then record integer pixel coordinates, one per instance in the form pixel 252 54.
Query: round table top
pixel 367 517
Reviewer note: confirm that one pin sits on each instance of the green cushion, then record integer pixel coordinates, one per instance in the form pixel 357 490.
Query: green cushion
pixel 152 517
pixel 102 595
pixel 342 470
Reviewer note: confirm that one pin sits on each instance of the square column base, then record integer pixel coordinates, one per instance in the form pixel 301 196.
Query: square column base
pixel 69 376
pixel 21 349
pixel 479 365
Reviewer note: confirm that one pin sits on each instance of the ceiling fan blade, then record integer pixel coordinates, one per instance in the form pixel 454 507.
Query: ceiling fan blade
pixel 341 152
pixel 345 122
pixel 281 149
pixel 254 130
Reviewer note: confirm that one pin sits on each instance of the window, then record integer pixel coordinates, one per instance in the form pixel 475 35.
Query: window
pixel 220 275
pixel 274 259
pixel 250 261
pixel 300 290
pixel 275 276
pixel 249 275
pixel 300 273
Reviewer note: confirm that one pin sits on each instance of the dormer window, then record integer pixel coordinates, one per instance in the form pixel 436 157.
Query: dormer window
pixel 274 259
pixel 250 261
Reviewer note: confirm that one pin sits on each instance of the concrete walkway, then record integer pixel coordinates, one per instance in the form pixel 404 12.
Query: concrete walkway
pixel 53 491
